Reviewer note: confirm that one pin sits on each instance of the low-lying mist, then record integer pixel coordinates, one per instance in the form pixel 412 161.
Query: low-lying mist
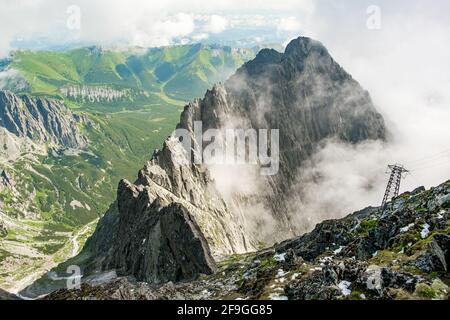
pixel 404 66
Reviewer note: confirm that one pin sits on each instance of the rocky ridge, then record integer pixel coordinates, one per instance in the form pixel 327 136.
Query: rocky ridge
pixel 41 120
pixel 399 252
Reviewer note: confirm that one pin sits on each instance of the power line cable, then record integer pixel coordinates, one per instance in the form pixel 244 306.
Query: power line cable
pixel 431 166
pixel 430 157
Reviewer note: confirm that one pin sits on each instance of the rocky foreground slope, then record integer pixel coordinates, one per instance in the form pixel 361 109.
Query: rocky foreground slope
pixel 399 252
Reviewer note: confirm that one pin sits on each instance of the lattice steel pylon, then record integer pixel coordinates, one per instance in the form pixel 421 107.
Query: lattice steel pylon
pixel 393 187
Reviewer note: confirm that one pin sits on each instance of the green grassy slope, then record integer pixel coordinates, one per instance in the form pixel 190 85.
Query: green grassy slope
pixel 179 72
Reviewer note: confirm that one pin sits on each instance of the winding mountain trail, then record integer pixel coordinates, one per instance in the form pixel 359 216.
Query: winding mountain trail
pixel 75 242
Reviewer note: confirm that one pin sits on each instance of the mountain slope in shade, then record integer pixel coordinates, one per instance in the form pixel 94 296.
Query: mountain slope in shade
pixel 307 96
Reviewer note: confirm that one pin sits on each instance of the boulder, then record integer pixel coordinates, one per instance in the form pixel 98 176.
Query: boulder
pixel 437 255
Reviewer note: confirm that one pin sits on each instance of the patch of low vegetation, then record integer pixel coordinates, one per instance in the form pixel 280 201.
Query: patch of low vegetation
pixel 366 225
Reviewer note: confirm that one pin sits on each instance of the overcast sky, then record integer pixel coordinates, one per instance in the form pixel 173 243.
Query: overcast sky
pixel 397 49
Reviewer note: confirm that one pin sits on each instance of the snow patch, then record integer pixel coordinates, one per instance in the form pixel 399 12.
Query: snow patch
pixel 275 296
pixel 425 231
pixel 280 273
pixel 280 257
pixel 343 285
pixel 407 228
pixel 338 250
pixel 374 280
pixel 315 269
pixel 205 293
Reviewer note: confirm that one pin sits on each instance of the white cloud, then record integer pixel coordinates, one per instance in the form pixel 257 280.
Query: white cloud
pixel 289 24
pixel 217 24
pixel 402 66
pixel 199 36
pixel 251 20
pixel 134 22
pixel 162 32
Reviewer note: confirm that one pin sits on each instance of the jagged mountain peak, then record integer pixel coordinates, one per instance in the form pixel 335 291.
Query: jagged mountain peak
pixel 299 48
pixel 303 58
pixel 264 57
pixel 303 46
pixel 304 94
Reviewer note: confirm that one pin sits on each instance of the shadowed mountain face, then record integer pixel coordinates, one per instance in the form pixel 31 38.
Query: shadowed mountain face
pixel 306 95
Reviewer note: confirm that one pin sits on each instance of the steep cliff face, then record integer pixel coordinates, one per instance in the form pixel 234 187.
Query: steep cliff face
pixel 307 96
pixel 41 120
pixel 167 224
pixel 156 241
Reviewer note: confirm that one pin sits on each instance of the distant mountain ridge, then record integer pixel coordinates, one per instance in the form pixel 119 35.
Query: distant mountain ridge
pixel 176 72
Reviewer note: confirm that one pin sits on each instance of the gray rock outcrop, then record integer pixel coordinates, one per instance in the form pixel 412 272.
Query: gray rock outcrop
pixel 157 243
pixel 42 120
pixel 153 239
